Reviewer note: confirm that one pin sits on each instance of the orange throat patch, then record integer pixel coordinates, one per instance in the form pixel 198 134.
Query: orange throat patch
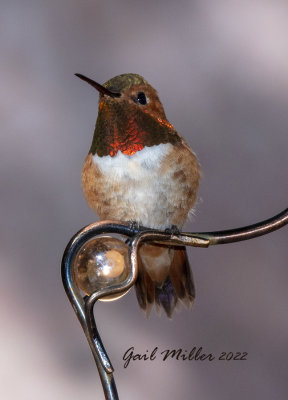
pixel 129 130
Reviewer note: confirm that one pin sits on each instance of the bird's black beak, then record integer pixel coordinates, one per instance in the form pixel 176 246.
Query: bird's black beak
pixel 98 87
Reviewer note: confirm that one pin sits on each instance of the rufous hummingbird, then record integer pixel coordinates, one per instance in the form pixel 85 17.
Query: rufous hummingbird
pixel 139 169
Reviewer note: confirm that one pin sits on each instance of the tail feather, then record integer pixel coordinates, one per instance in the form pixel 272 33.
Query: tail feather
pixel 176 283
pixel 145 290
pixel 165 297
pixel 181 277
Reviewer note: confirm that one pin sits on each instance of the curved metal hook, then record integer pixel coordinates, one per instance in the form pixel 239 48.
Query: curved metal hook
pixel 83 307
pixel 205 239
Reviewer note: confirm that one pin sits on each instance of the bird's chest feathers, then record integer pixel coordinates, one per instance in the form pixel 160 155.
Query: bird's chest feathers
pixel 138 187
pixel 141 169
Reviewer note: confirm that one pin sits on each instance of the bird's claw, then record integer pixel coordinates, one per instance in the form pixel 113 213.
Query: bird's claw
pixel 134 226
pixel 174 230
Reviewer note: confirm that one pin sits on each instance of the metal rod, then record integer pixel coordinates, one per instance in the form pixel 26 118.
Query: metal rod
pixel 83 306
pixel 248 232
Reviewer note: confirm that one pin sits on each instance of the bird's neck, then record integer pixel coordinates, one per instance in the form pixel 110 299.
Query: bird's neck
pixel 129 131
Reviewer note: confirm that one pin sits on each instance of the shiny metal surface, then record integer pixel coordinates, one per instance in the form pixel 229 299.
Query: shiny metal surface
pixel 248 232
pixel 83 306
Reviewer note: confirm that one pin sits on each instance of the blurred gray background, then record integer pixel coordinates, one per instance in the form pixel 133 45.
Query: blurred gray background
pixel 221 70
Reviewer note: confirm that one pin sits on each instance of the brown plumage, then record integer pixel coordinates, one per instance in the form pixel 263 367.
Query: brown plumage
pixel 140 169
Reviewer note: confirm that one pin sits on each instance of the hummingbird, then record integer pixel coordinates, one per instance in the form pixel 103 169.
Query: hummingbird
pixel 140 170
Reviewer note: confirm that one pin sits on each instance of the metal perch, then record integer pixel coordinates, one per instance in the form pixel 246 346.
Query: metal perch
pixel 83 305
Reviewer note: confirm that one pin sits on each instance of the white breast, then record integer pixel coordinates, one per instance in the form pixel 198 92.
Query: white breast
pixel 141 190
pixel 136 167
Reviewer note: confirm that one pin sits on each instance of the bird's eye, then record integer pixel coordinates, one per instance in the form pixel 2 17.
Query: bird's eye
pixel 141 98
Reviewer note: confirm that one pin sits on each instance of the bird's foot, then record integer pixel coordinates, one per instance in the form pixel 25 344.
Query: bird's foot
pixel 174 230
pixel 134 226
